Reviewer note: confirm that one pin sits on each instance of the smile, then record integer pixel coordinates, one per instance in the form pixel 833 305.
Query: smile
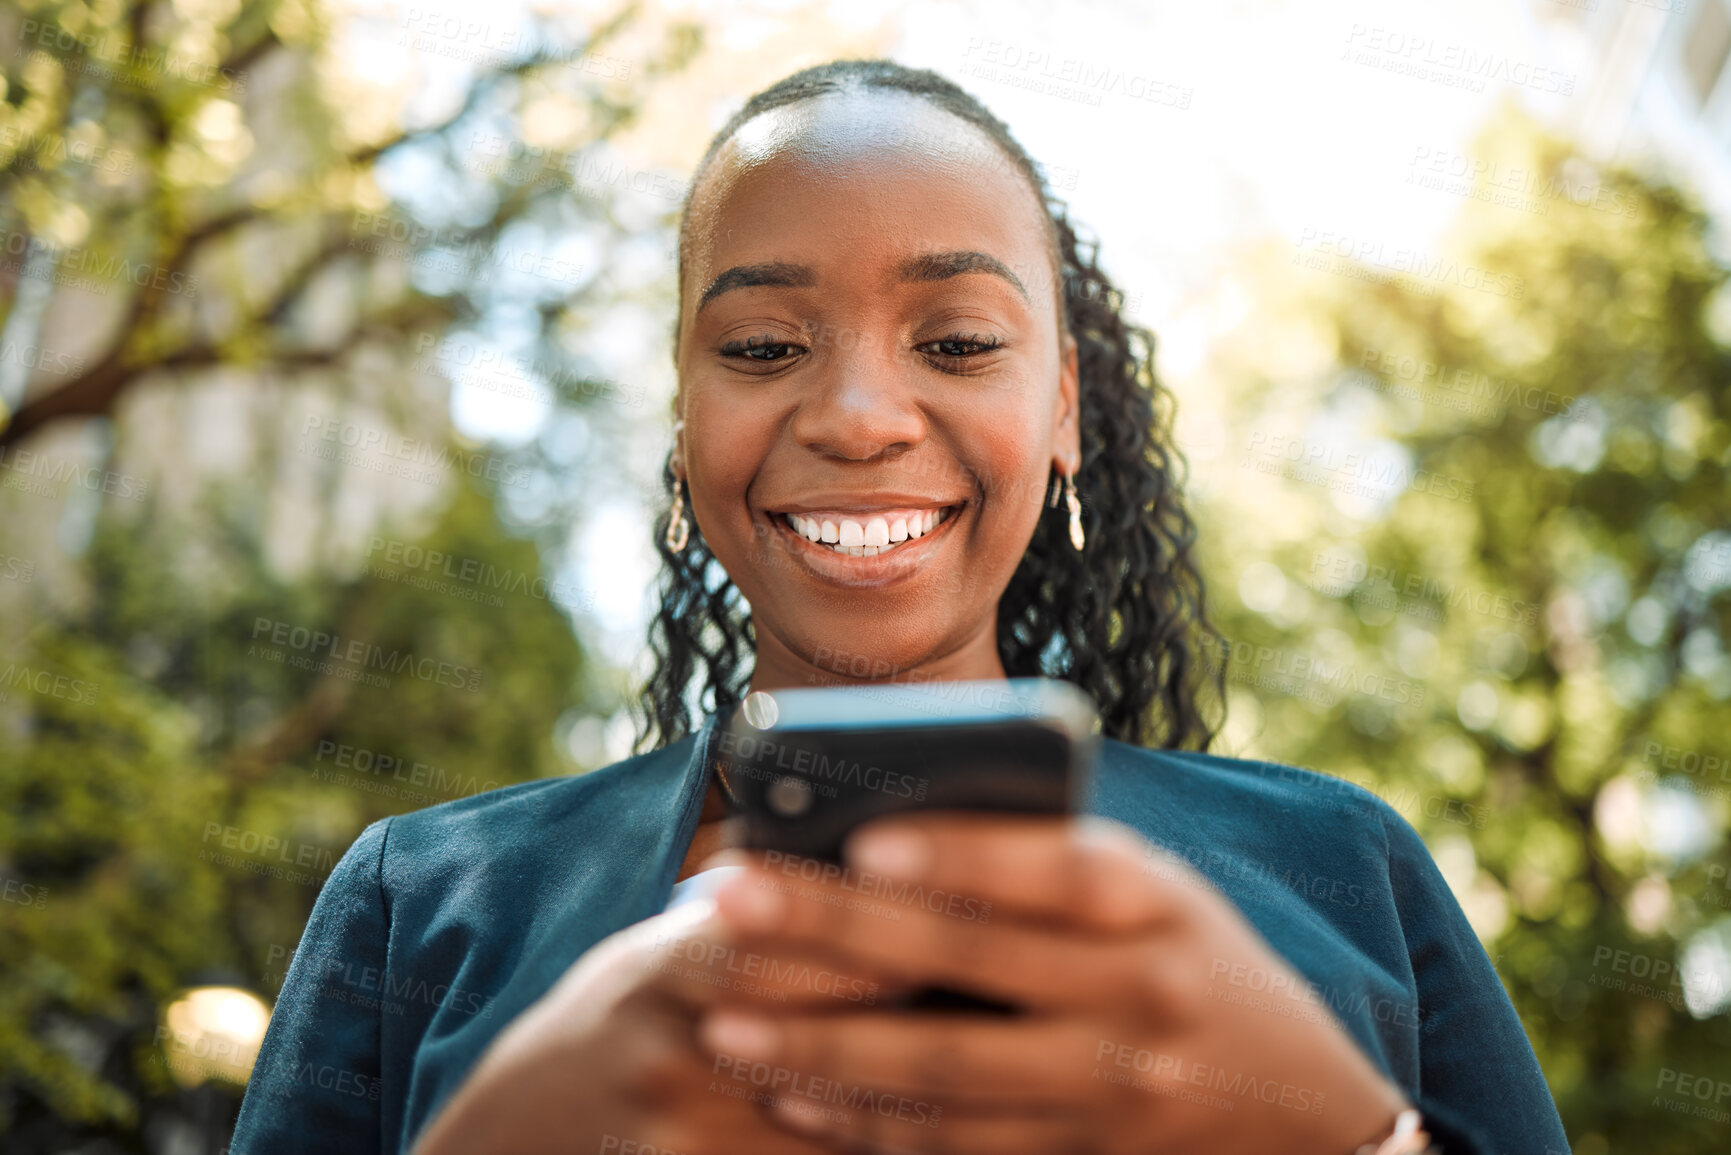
pixel 867 535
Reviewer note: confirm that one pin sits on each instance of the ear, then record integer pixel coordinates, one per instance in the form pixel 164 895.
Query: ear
pixel 1067 410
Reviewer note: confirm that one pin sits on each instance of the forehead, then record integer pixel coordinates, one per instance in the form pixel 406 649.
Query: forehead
pixel 859 165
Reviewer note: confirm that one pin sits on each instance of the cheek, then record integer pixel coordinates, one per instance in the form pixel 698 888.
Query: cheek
pixel 725 444
pixel 1013 458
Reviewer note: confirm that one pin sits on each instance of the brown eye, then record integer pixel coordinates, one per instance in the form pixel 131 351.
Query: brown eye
pixel 959 348
pixel 763 350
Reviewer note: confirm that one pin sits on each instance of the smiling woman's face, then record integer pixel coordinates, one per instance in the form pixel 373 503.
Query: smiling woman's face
pixel 870 355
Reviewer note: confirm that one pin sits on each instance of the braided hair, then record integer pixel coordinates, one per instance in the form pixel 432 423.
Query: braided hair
pixel 1123 619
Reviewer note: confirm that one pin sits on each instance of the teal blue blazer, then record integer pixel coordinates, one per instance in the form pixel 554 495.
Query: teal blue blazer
pixel 440 926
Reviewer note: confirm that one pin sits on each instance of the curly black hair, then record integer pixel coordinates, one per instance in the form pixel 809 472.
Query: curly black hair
pixel 1124 619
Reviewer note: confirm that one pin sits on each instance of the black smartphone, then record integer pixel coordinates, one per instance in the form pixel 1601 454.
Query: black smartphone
pixel 804 767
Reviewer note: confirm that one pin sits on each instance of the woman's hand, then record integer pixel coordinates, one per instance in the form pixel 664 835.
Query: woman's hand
pixel 1123 960
pixel 608 1061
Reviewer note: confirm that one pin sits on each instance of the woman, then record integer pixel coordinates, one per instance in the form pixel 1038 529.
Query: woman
pixel 889 343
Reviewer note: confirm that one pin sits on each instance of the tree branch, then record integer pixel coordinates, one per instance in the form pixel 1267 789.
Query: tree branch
pixel 96 391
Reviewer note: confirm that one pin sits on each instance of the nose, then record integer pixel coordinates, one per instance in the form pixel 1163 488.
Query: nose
pixel 864 406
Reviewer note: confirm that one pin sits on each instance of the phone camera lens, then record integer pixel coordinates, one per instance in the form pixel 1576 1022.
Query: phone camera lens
pixel 790 796
pixel 761 710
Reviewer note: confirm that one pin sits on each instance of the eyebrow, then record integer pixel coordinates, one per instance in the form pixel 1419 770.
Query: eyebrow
pixel 925 267
pixel 943 266
pixel 750 276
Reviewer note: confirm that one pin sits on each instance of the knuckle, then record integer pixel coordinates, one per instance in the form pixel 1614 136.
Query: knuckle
pixel 973 951
pixel 938 1063
pixel 655 1070
pixel 671 1135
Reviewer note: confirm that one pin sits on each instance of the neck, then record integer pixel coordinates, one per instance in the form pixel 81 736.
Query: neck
pixel 779 667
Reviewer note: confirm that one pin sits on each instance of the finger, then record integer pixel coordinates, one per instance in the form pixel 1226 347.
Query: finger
pixel 1029 965
pixel 1034 1061
pixel 697 961
pixel 888 1124
pixel 684 1098
pixel 1089 872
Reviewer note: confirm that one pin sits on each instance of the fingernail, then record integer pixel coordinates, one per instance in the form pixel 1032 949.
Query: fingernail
pixel 742 1036
pixel 901 853
pixel 749 904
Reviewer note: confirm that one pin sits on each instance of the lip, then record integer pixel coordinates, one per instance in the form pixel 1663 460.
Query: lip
pixel 868 503
pixel 885 569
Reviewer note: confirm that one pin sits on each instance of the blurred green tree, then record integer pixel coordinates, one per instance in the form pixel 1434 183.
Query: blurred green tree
pixel 220 233
pixel 1470 536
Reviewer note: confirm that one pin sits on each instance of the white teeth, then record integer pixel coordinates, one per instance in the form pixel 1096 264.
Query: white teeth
pixel 877 535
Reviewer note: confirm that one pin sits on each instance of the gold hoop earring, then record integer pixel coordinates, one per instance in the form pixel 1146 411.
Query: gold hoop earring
pixel 1075 505
pixel 678 525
